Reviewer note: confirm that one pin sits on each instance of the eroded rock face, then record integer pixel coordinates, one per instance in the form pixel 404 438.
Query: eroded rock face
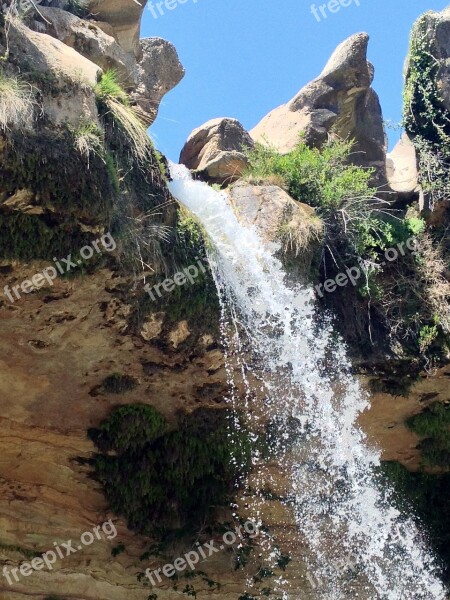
pixel 147 74
pixel 214 150
pixel 401 166
pixel 125 18
pixel 157 72
pixel 340 100
pixel 90 40
pixel 73 74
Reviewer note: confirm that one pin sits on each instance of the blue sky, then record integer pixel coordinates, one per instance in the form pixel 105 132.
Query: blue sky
pixel 243 58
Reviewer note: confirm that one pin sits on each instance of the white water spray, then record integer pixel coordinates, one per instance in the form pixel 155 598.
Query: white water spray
pixel 341 508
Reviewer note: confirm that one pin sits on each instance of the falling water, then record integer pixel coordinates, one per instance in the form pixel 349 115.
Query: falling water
pixel 341 507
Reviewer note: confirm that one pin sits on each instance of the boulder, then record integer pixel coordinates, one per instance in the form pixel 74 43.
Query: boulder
pixel 401 166
pixel 158 71
pixel 89 39
pixel 125 18
pixel 147 78
pixel 294 226
pixel 215 150
pixel 69 73
pixel 341 101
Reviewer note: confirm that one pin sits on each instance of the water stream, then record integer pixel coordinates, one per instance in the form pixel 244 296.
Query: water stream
pixel 342 510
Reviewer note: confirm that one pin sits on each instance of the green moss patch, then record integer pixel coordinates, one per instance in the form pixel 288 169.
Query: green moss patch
pixel 118 383
pixel 429 498
pixel 169 481
pixel 47 164
pixel 433 424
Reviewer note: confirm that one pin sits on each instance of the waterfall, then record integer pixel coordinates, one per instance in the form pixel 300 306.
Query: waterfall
pixel 342 508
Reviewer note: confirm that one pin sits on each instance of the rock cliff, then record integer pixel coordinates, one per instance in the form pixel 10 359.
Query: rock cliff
pixel 78 343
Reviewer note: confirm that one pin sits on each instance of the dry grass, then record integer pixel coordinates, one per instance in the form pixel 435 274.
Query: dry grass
pixel 131 122
pixel 88 139
pixel 16 103
pixel 432 268
pixel 272 179
pixel 300 232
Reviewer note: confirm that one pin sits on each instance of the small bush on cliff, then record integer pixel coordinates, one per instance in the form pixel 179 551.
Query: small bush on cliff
pixel 16 102
pixel 166 480
pixel 340 192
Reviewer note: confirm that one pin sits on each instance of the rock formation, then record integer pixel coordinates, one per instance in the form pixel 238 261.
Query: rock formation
pixel 148 68
pixel 401 166
pixel 339 101
pixel 215 150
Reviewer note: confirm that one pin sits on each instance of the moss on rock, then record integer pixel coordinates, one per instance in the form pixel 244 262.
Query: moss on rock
pixel 165 480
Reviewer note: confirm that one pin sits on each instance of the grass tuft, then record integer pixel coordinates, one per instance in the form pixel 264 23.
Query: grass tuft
pixel 16 103
pixel 114 98
pixel 88 139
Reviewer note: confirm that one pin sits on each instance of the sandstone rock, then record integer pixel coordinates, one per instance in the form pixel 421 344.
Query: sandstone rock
pixel 339 100
pixel 125 18
pixel 90 40
pixel 44 54
pixel 73 74
pixel 278 218
pixel 401 166
pixel 214 150
pixel 158 71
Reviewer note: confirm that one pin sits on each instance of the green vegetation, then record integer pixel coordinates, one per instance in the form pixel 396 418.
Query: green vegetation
pixel 424 114
pixel 433 424
pixel 403 300
pixel 88 139
pixel 109 88
pixel 428 497
pixel 28 237
pixel 340 192
pixel 118 383
pixel 16 102
pixel 111 97
pixel 24 551
pixel 169 481
pixel 118 549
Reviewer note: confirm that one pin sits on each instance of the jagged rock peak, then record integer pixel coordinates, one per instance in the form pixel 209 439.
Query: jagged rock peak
pixel 339 100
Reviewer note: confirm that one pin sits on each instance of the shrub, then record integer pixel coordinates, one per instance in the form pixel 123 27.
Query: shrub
pixel 340 192
pixel 433 424
pixel 16 102
pixel 118 383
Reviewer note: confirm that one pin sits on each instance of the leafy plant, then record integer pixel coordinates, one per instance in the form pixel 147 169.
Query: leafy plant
pixel 340 192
